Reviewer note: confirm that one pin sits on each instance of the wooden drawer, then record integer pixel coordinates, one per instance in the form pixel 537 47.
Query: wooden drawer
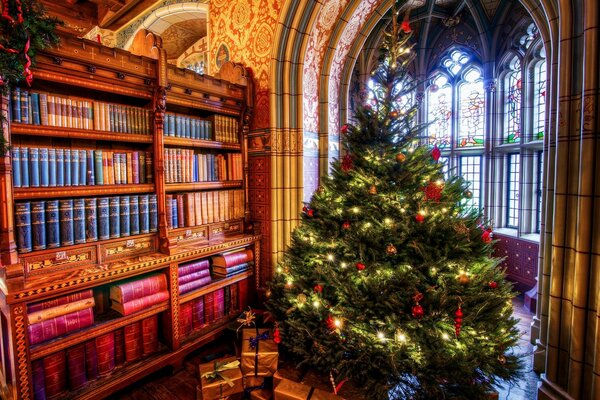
pixel 127 247
pixel 184 236
pixel 55 259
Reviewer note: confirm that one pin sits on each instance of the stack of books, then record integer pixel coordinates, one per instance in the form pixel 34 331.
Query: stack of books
pixel 229 264
pixel 136 295
pixel 226 128
pixel 200 208
pixel 193 275
pixel 185 166
pixel 56 317
pixel 187 127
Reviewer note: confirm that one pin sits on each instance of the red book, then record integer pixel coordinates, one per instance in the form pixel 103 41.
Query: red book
pixel 37 372
pixel 142 303
pixel 138 288
pixel 180 211
pixel 150 335
pixel 193 277
pixel 209 310
pixel 190 268
pixel 219 303
pixel 105 348
pixel 55 373
pixel 91 360
pixel 133 341
pixel 198 312
pixel 57 326
pixel 235 258
pixel 233 289
pixel 59 301
pixel 119 347
pixel 185 318
pixel 243 288
pixel 188 287
pixel 76 366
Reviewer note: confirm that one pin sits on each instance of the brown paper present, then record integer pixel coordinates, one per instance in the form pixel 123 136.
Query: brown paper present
pixel 251 381
pixel 289 390
pixel 220 378
pixel 289 371
pixel 262 394
pixel 266 353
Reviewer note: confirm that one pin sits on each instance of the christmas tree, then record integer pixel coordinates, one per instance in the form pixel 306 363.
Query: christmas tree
pixel 389 280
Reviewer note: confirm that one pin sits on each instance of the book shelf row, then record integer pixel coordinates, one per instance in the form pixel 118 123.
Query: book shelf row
pixel 201 208
pixel 226 129
pixel 185 166
pixel 52 167
pixel 40 108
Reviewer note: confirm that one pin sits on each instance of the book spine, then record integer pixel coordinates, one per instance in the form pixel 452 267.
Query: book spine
pixel 142 166
pixel 16 166
pixel 227 300
pixel 79 220
pixel 25 117
pixel 243 288
pixel 16 104
pixel 105 349
pixel 198 312
pixel 43 108
pixel 129 168
pixel 149 170
pixel 90 168
pixel 34 167
pixel 91 220
pixel 135 167
pixel 219 303
pixel 192 277
pixel 153 211
pixel 231 259
pixel 67 229
pixel 144 205
pixel 59 301
pixel 62 309
pixel 60 325
pixel 175 213
pixel 119 347
pixel 76 366
pixel 52 167
pixel 128 291
pixel 99 170
pixel 180 211
pixel 83 167
pixel 133 341
pixel 233 289
pixel 196 284
pixel 38 225
pixel 37 375
pixel 67 166
pixel 52 224
pixel 141 303
pixel 55 373
pixel 150 335
pixel 114 217
pixel 186 318
pixel 103 218
pixel 134 215
pixel 117 168
pixel 209 310
pixel 124 220
pixel 190 268
pixel 74 167
pixel 35 108
pixel 91 360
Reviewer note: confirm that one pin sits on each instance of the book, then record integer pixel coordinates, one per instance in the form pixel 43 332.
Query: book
pixel 83 167
pixel 209 307
pixel 140 287
pixel 55 373
pixel 91 360
pixel 76 366
pixel 139 304
pixel 150 335
pixel 198 313
pixel 58 326
pixel 52 165
pixel 44 167
pixel 25 117
pixel 67 232
pixel 37 379
pixel 225 272
pixel 24 166
pixel 58 310
pixel 105 349
pixel 38 225
pixel 59 301
pixel 74 167
pixel 79 220
pixel 169 210
pixel 16 104
pixel 219 303
pixel 23 225
pixel 234 302
pixel 134 215
pixel 91 220
pixel 43 108
pixel 153 211
pixel 185 318
pixel 119 347
pixel 227 299
pixel 193 285
pixel 144 214
pixel 124 220
pixel 34 167
pixel 193 276
pixel 243 293
pixel 233 258
pixel 67 163
pixel 16 166
pixel 133 341
pixel 194 266
pixel 103 218
pixel 114 217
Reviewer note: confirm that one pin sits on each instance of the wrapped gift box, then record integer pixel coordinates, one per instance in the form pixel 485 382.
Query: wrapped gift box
pixel 289 371
pixel 259 353
pixel 226 379
pixel 290 390
pixel 262 394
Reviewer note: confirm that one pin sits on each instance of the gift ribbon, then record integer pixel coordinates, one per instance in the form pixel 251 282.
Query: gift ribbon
pixel 254 341
pixel 220 367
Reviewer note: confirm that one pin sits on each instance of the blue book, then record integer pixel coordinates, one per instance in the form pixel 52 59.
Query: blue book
pixel 124 220
pixel 171 125
pixel 34 167
pixel 114 217
pixel 134 215
pixel 60 167
pixel 153 211
pixel 91 220
pixel 144 213
pixel 174 208
pixel 52 224
pixel 91 167
pixel 35 108
pixel 15 153
pixel 16 106
pixel 178 126
pixel 23 223
pixel 74 167
pixel 211 167
pixel 103 218
pixel 52 167
pixel 202 129
pixel 38 225
pixel 24 167
pixel 44 172
pixel 209 131
pixel 79 220
pixel 187 132
pixel 82 167
pixel 67 167
pixel 67 237
pixel 98 167
pixel 195 168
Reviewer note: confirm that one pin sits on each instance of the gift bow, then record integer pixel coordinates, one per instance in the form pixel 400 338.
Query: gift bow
pixel 220 367
pixel 255 339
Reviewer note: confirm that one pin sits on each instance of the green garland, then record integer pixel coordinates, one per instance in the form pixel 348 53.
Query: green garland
pixel 25 30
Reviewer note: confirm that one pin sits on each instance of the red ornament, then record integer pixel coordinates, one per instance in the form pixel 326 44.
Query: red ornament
pixel 318 288
pixel 436 153
pixel 360 266
pixel 433 191
pixel 346 225
pixel 420 218
pixel 310 213
pixel 304 209
pixel 344 129
pixel 347 163
pixel 486 236
pixel 330 323
pixel 276 336
pixel 417 311
pixel 458 320
pixel 493 284
pixel 405 26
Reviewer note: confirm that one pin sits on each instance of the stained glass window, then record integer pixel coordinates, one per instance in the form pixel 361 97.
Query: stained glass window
pixel 472 110
pixel 445 167
pixel 512 209
pixel 512 103
pixel 470 169
pixel 540 100
pixel 540 175
pixel 439 112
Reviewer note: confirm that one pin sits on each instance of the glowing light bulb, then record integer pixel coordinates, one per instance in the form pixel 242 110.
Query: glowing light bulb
pixel 380 336
pixel 402 337
pixel 388 221
pixel 439 182
pixel 367 224
pixel 433 270
pixel 337 322
pixel 343 265
pixel 316 304
pixel 445 336
pixel 279 270
pixel 402 210
pixel 355 210
pixel 444 210
pixel 330 257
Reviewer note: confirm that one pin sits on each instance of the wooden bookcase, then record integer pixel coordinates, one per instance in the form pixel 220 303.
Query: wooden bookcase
pixel 86 70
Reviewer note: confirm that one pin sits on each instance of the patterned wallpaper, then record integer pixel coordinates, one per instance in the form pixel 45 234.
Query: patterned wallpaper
pixel 247 28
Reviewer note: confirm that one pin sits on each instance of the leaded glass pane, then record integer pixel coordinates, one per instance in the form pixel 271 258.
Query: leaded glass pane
pixel 540 100
pixel 439 114
pixel 512 104
pixel 472 111
pixel 512 214
pixel 470 169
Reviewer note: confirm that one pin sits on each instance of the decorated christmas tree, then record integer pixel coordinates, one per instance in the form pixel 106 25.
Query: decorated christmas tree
pixel 389 280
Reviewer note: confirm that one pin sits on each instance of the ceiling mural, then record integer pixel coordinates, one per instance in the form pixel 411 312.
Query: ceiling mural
pixel 181 36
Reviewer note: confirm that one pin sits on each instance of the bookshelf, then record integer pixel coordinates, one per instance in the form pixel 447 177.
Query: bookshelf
pixel 112 222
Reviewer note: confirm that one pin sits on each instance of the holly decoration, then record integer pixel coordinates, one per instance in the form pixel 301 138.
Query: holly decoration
pixel 458 320
pixel 493 284
pixel 310 213
pixel 304 209
pixel 346 225
pixel 486 236
pixel 420 218
pixel 330 323
pixel 318 288
pixel 347 163
pixel 436 154
pixel 360 266
pixel 433 191
pixel 405 25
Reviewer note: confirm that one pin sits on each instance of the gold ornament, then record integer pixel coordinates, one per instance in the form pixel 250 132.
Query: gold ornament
pixel 391 249
pixel 502 359
pixel 373 189
pixel 400 157
pixel 463 279
pixel 301 298
pixel 468 194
